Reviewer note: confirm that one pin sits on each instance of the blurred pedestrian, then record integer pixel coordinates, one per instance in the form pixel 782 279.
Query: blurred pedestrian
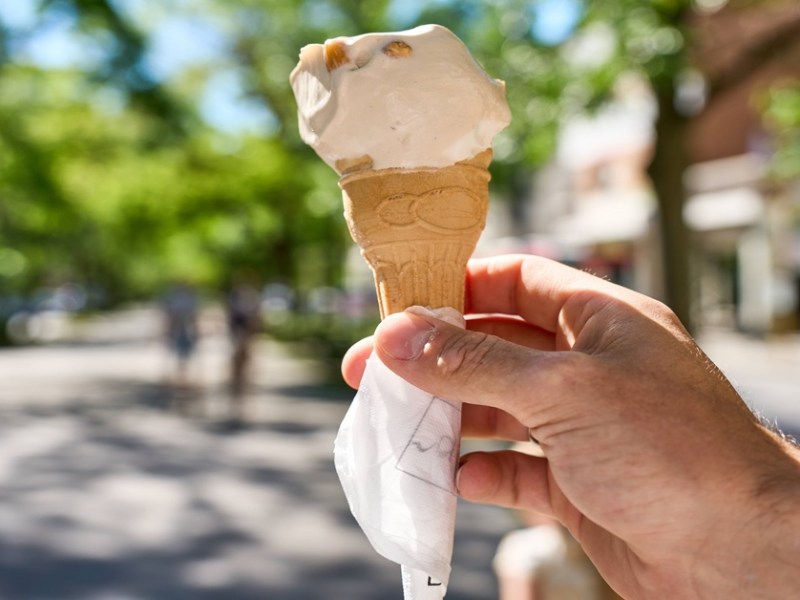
pixel 180 308
pixel 243 310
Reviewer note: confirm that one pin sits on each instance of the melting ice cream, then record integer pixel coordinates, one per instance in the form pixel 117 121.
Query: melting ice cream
pixel 409 99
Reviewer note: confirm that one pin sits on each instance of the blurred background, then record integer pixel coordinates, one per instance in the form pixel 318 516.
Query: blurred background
pixel 177 284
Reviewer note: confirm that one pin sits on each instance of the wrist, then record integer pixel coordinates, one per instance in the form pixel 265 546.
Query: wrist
pixel 780 543
pixel 762 556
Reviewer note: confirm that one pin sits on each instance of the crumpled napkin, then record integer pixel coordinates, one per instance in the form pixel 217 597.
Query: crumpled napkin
pixel 396 454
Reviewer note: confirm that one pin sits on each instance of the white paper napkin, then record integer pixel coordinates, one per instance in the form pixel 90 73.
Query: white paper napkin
pixel 396 454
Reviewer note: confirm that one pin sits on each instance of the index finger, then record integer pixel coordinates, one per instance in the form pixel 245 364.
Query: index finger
pixel 532 287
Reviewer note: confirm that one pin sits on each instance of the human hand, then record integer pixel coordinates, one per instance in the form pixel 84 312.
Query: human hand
pixel 653 462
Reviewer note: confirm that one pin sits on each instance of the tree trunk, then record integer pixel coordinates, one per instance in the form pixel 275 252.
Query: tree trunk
pixel 667 170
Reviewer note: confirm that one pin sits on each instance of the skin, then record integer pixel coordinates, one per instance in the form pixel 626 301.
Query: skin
pixel 652 460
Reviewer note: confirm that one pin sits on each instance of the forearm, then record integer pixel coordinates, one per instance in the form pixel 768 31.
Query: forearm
pixel 763 560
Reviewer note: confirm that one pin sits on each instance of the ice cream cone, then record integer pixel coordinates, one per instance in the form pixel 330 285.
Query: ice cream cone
pixel 417 228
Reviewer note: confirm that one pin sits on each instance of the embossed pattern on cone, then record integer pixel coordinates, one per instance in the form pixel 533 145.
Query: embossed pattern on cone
pixel 417 228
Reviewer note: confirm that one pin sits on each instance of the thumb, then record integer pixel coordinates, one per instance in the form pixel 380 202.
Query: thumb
pixel 468 366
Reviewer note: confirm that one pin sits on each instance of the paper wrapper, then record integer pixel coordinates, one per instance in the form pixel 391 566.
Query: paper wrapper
pixel 395 454
pixel 398 446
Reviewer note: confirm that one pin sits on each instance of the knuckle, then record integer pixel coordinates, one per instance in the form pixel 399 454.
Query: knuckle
pixel 466 354
pixel 661 313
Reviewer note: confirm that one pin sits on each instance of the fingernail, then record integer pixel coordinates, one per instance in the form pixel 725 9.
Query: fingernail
pixel 461 462
pixel 446 314
pixel 403 336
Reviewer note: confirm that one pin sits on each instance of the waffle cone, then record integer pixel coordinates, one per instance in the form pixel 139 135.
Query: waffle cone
pixel 417 229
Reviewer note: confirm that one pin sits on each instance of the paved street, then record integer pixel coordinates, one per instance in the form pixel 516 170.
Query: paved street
pixel 116 486
pixel 111 488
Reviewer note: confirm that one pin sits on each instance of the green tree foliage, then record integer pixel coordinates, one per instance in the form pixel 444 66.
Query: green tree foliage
pixel 781 106
pixel 109 176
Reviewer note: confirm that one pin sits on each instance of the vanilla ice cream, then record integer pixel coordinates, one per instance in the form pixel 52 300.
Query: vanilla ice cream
pixel 411 99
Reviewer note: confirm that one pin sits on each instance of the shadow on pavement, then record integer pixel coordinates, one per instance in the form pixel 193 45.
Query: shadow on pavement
pixel 107 492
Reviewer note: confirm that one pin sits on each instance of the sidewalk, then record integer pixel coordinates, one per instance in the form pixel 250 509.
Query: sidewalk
pixel 107 493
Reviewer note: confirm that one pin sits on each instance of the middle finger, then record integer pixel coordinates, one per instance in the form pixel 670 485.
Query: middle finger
pixel 487 422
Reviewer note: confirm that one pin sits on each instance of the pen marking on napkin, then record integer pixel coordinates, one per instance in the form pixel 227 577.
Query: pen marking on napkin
pixel 437 431
pixel 444 446
pixel 432 583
